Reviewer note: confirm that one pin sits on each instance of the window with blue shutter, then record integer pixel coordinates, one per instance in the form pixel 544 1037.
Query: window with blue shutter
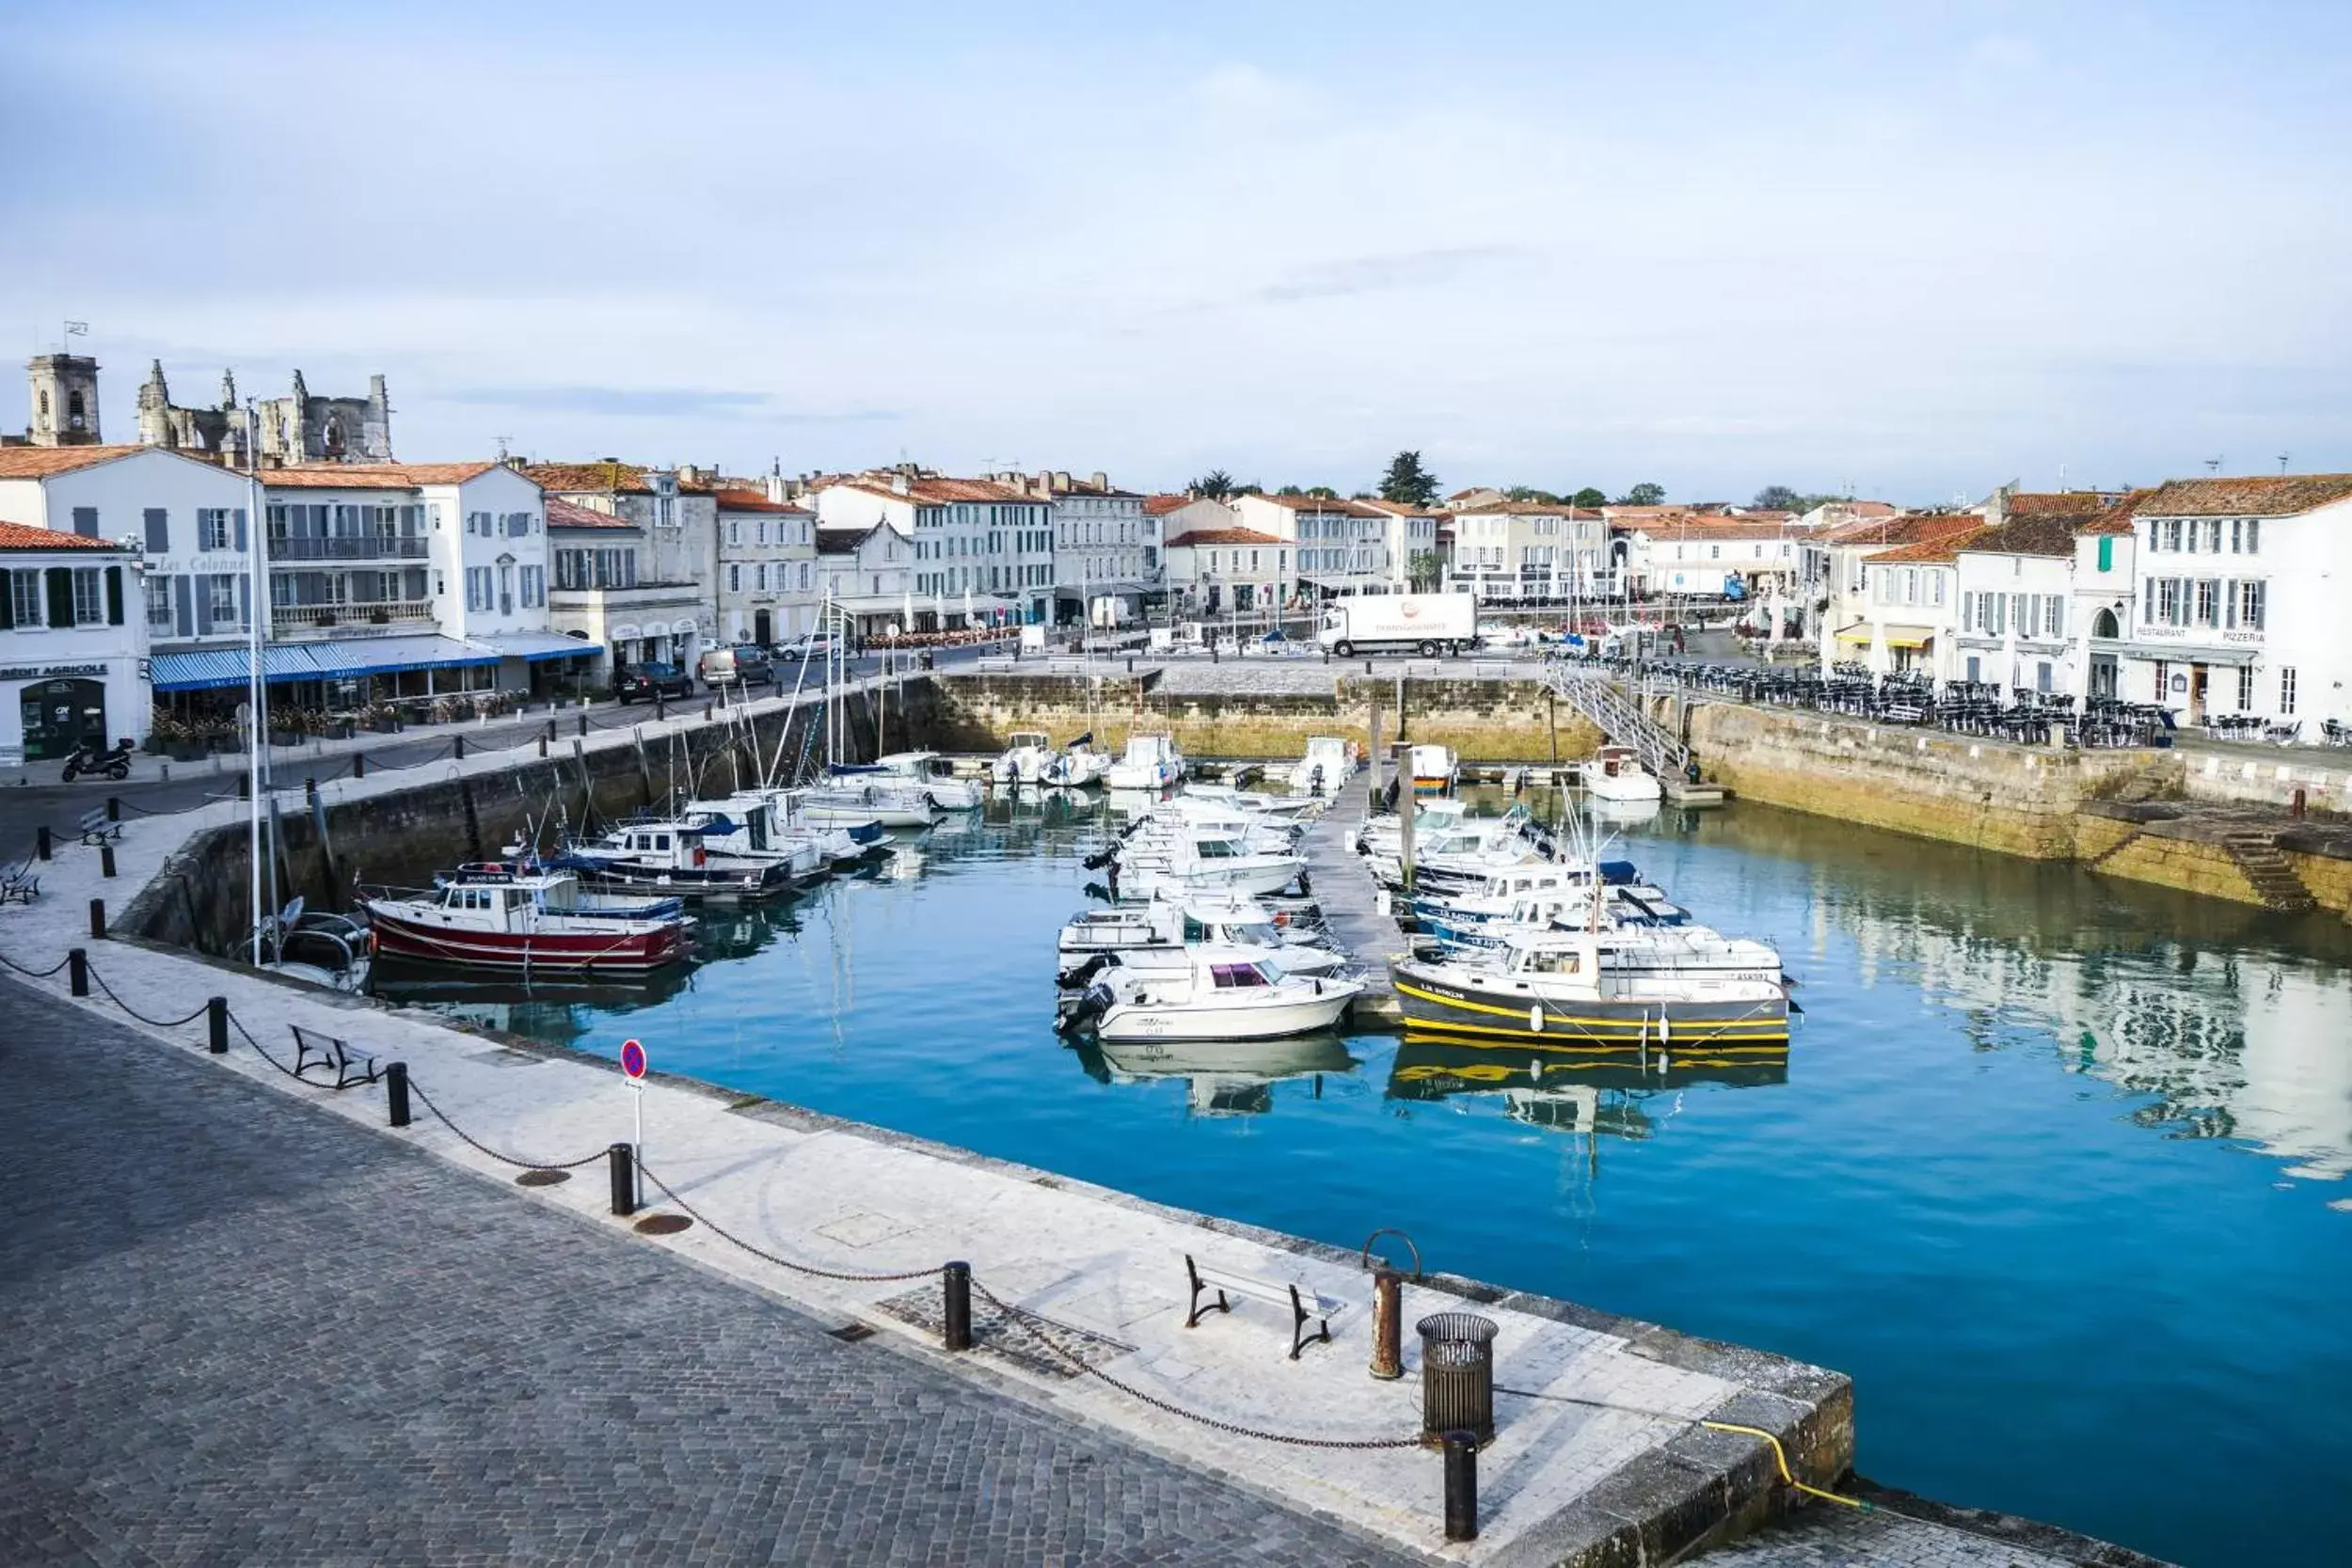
pixel 158 530
pixel 245 600
pixel 240 544
pixel 203 610
pixel 113 595
pixel 86 521
pixel 183 605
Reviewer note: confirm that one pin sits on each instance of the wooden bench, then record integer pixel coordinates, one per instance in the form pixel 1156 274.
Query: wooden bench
pixel 314 1050
pixel 20 884
pixel 97 828
pixel 1304 1304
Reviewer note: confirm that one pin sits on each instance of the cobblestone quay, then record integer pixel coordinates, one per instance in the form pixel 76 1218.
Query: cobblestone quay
pixel 236 1331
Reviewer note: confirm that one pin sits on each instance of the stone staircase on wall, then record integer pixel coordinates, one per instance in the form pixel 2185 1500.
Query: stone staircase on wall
pixel 2274 881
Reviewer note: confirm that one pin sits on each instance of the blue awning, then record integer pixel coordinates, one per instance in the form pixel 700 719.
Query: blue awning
pixel 533 646
pixel 387 655
pixel 207 669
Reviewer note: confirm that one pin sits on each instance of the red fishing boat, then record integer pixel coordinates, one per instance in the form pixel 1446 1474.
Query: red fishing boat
pixel 530 919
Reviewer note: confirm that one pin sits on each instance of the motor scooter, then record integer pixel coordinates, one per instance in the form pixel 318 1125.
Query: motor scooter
pixel 113 762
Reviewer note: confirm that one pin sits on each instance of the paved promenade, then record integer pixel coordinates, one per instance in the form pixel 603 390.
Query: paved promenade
pixel 234 1329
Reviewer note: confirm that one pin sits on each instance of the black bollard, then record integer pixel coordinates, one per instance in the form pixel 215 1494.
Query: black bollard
pixel 358 766
pixel 661 708
pixel 396 1092
pixel 114 808
pixel 543 745
pixel 77 972
pixel 97 918
pixel 624 1162
pixel 459 742
pixel 41 841
pixel 1461 1486
pixel 956 1277
pixel 584 718
pixel 245 784
pixel 217 1025
pixel 106 859
pixel 705 713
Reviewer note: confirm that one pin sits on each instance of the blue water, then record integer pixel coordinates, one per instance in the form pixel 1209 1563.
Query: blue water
pixel 2057 1171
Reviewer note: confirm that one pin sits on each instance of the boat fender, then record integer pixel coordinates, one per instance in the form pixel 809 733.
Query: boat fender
pixel 1535 1017
pixel 701 857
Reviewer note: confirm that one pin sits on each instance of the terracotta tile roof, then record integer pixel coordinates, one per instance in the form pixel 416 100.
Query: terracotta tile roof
pixel 2118 519
pixel 626 478
pixel 753 501
pixel 1711 527
pixel 371 476
pixel 40 462
pixel 1908 528
pixel 563 513
pixel 1516 509
pixel 1160 506
pixel 941 492
pixel 2055 503
pixel 18 536
pixel 1941 550
pixel 2050 534
pixel 1224 536
pixel 1321 503
pixel 2259 495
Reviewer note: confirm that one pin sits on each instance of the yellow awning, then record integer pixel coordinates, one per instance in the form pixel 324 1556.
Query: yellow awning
pixel 1859 635
pixel 1895 641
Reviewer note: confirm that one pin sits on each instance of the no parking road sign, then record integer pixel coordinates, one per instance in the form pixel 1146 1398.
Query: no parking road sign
pixel 633 1058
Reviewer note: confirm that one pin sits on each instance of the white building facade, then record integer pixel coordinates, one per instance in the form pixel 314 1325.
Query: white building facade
pixel 72 646
pixel 1230 571
pixel 766 585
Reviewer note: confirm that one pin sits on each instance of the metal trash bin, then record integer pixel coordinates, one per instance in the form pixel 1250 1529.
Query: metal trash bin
pixel 1457 1376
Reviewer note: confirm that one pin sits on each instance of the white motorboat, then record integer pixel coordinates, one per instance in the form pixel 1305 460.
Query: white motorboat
pixel 1079 765
pixel 1328 764
pixel 1615 773
pixel 1151 762
pixel 1202 860
pixel 1290 808
pixel 1435 768
pixel 669 856
pixel 1026 758
pixel 746 824
pixel 852 799
pixel 1205 999
pixel 1145 935
pixel 930 772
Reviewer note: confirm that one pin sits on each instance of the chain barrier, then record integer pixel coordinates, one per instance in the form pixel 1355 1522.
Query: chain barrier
pixel 1033 1325
pixel 237 1024
pixel 443 1117
pixel 36 974
pixel 761 1253
pixel 100 981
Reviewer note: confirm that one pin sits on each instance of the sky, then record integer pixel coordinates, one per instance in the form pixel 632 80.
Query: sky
pixel 1911 249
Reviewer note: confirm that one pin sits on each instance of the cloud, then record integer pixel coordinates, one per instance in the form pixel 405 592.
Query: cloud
pixel 1366 275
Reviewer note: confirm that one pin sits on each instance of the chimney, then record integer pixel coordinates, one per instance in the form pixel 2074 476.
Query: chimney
pixel 1061 480
pixel 1100 480
pixel 897 487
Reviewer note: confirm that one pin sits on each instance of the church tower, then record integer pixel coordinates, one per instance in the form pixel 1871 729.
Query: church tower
pixel 155 410
pixel 64 390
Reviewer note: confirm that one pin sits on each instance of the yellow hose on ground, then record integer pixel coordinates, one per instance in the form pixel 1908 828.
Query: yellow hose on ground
pixel 1781 1458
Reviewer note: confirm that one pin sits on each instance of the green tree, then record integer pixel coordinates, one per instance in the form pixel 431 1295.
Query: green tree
pixel 1421 569
pixel 1592 495
pixel 1217 485
pixel 1528 493
pixel 1647 492
pixel 1779 497
pixel 1406 482
pixel 1324 490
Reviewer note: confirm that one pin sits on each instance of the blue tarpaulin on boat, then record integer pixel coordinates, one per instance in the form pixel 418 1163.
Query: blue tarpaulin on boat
pixel 1618 873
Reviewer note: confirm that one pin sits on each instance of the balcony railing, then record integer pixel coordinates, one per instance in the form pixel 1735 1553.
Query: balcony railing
pixel 306 547
pixel 354 619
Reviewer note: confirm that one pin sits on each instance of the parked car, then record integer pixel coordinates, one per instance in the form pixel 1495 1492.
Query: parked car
pixel 816 644
pixel 633 681
pixel 745 661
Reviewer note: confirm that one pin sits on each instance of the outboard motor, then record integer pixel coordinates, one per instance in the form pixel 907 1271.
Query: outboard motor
pixel 1082 1013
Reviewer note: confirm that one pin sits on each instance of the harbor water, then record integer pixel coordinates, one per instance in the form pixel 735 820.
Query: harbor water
pixel 2056 1167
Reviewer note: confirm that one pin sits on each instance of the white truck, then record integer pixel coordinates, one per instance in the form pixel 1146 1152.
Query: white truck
pixel 1425 624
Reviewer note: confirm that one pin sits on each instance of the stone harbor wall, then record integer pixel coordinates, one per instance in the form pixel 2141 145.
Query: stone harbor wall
pixel 2018 799
pixel 1266 712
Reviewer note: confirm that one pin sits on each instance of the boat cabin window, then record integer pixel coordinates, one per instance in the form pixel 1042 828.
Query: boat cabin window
pixel 1214 848
pixel 1237 975
pixel 1194 930
pixel 1555 961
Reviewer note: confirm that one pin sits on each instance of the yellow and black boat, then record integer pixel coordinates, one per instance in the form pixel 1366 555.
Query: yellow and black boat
pixel 1552 988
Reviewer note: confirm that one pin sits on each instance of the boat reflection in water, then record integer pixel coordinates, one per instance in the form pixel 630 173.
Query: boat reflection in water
pixel 560 1010
pixel 1222 1077
pixel 1574 1091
